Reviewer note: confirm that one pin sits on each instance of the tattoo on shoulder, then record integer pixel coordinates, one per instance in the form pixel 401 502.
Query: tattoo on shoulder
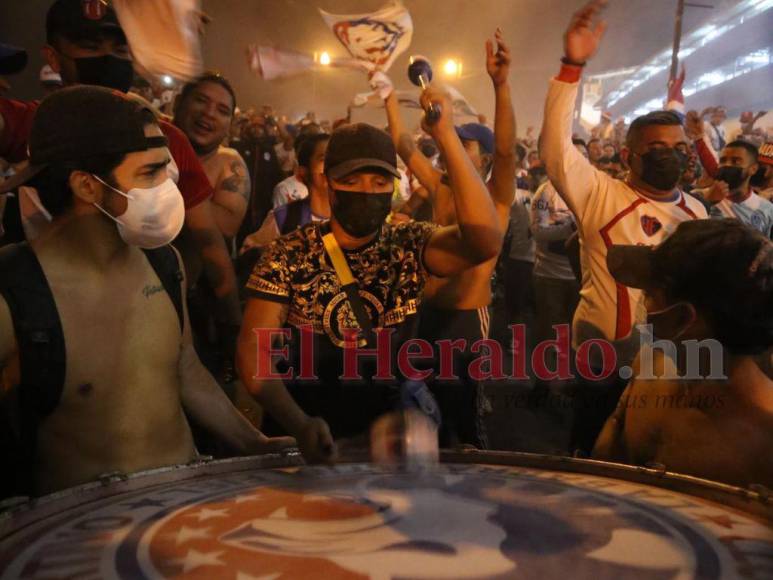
pixel 238 181
pixel 150 289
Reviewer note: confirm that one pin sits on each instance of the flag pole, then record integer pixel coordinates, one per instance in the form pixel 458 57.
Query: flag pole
pixel 677 40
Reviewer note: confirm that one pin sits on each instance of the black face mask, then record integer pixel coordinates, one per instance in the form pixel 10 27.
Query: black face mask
pixel 733 176
pixel 662 168
pixel 105 71
pixel 361 214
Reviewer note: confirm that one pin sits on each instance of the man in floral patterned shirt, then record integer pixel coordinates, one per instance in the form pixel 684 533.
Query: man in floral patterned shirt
pixel 295 286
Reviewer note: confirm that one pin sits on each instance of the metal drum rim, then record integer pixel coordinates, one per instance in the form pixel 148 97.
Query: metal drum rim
pixel 752 502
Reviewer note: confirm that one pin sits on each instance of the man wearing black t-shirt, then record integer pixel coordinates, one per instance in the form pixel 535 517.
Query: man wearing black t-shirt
pixel 295 285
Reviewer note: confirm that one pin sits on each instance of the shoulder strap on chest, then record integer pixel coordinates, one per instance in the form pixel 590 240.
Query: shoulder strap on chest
pixel 167 267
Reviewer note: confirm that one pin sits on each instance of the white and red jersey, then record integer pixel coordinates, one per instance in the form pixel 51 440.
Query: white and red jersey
pixel 608 211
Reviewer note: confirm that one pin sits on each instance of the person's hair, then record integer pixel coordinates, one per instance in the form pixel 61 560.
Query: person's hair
pixel 577 141
pixel 659 118
pixel 520 152
pixel 750 147
pixel 725 270
pixel 594 140
pixel 208 77
pixel 306 147
pixel 53 183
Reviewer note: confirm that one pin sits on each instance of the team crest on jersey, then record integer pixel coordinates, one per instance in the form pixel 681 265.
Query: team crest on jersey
pixel 650 225
pixel 94 9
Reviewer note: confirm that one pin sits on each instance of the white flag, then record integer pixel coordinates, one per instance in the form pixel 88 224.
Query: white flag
pixel 375 39
pixel 163 36
pixel 410 100
pixel 272 63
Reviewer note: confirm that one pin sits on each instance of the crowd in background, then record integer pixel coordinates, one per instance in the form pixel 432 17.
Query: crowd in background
pixel 245 192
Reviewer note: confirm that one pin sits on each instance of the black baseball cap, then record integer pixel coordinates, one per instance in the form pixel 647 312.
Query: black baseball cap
pixel 81 20
pixel 359 146
pixel 81 122
pixel 721 266
pixel 12 59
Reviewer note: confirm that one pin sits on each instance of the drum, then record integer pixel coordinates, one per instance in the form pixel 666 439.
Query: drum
pixel 475 515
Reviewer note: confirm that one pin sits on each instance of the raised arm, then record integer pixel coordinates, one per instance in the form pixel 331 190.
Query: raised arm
pixel 477 237
pixel 694 127
pixel 575 179
pixel 414 159
pixel 503 173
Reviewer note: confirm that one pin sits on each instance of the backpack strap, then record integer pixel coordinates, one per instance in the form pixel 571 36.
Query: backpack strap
pixel 36 325
pixel 42 358
pixel 167 267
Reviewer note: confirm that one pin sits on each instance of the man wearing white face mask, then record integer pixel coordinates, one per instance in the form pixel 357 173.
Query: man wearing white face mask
pixel 96 361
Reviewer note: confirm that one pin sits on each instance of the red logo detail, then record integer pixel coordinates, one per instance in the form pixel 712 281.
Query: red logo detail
pixel 650 225
pixel 94 9
pixel 238 534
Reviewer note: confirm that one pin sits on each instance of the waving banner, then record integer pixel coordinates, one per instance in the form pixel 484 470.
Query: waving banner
pixel 410 100
pixel 271 63
pixel 376 39
pixel 163 34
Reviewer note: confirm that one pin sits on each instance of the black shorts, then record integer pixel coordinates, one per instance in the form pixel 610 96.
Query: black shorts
pixel 460 401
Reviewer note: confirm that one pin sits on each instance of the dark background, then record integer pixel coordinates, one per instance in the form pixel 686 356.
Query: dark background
pixel 442 29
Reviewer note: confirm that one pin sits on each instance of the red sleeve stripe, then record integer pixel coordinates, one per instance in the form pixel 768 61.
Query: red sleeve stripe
pixel 683 206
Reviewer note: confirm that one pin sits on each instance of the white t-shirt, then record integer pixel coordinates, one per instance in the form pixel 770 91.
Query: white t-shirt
pixel 551 225
pixel 755 212
pixel 285 157
pixel 288 190
pixel 608 211
pixel 521 240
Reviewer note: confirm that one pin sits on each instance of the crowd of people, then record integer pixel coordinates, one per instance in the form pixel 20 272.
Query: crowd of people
pixel 186 274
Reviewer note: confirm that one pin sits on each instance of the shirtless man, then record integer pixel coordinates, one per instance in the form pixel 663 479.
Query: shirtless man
pixel 107 389
pixel 717 427
pixel 204 112
pixel 86 45
pixel 457 306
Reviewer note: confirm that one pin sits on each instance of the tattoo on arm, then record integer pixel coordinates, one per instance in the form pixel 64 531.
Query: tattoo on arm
pixel 238 181
pixel 150 289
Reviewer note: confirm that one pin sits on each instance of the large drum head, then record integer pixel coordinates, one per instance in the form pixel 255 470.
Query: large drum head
pixel 475 516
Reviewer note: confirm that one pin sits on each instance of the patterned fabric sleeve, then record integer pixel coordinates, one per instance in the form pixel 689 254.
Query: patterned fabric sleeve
pixel 414 236
pixel 270 279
